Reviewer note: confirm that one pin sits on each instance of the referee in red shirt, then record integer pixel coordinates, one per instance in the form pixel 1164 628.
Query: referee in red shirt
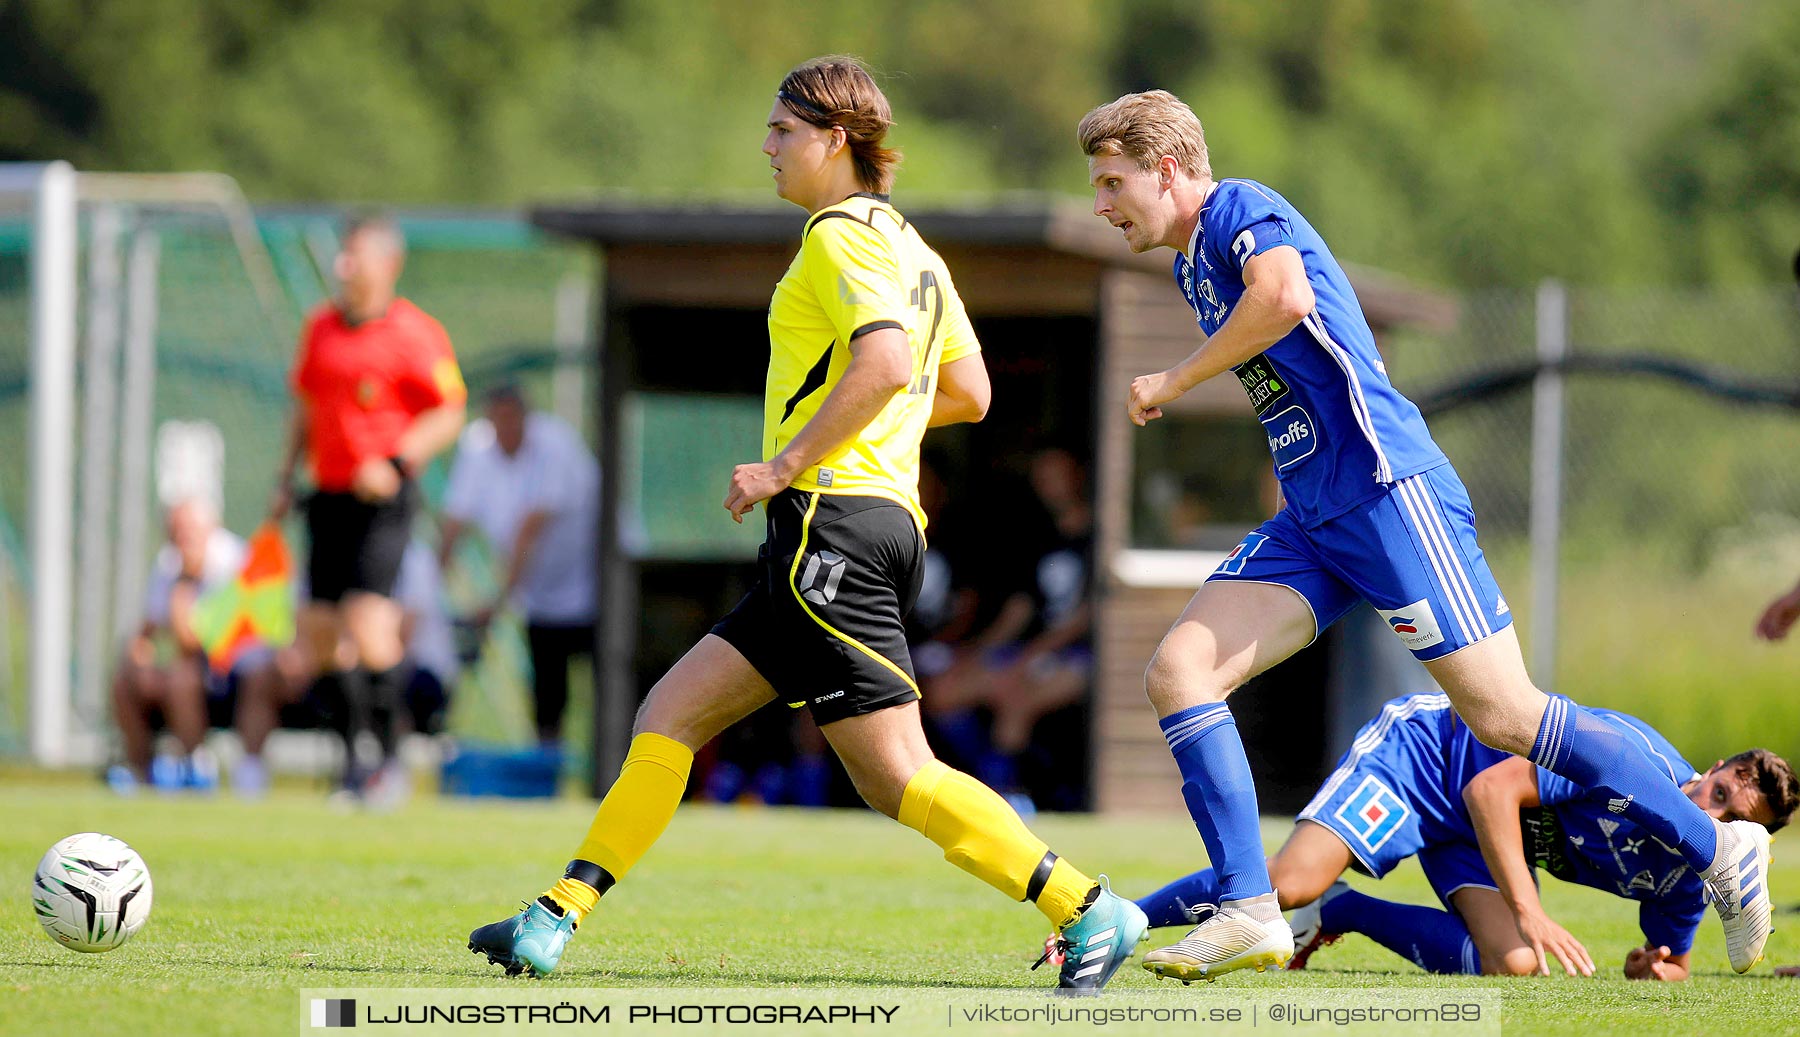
pixel 377 394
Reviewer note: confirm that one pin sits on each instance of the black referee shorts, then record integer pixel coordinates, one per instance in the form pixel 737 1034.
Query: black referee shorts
pixel 824 621
pixel 356 545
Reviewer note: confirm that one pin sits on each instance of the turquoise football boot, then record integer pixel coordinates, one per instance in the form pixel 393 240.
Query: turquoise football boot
pixel 532 939
pixel 1093 947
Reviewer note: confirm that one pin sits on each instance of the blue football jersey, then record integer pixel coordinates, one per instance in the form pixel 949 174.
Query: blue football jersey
pixel 1339 431
pixel 1576 836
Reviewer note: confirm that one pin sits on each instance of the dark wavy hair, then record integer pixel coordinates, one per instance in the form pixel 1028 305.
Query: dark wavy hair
pixel 1771 776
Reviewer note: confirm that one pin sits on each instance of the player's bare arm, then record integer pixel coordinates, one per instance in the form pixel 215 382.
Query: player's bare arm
pixel 1494 798
pixel 880 366
pixel 432 432
pixel 1779 617
pixel 963 392
pixel 1277 296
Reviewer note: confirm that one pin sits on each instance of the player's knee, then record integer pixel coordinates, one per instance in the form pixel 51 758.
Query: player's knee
pixel 1503 729
pixel 1515 960
pixel 1173 680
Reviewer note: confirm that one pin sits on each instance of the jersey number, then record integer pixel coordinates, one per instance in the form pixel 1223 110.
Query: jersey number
pixel 921 382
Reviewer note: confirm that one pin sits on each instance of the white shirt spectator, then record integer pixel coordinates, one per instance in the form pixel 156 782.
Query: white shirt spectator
pixel 224 560
pixel 553 471
pixel 419 589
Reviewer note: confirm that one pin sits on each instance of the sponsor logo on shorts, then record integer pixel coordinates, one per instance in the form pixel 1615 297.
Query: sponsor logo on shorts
pixel 1373 813
pixel 1416 625
pixel 1233 565
pixel 1291 436
pixel 827 698
pixel 1502 608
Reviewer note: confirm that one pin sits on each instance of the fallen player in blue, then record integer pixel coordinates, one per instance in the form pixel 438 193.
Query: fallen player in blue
pixel 1416 783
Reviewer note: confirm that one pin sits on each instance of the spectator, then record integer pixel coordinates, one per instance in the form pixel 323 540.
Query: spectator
pixel 377 396
pixel 1035 658
pixel 527 481
pixel 163 676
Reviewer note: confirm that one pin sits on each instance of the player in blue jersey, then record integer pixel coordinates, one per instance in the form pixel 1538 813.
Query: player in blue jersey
pixel 1415 782
pixel 1374 513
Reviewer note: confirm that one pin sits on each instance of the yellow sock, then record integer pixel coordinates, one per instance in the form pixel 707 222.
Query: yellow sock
pixel 631 818
pixel 983 836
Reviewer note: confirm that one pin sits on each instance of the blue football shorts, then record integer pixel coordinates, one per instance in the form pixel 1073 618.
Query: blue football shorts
pixel 1397 793
pixel 1409 552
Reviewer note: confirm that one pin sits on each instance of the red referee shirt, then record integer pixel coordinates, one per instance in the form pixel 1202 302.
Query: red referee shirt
pixel 364 384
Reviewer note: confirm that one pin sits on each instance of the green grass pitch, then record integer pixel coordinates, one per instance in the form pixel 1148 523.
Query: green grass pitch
pixel 254 902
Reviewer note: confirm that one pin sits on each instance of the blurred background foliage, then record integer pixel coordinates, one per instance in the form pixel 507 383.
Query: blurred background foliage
pixel 1461 142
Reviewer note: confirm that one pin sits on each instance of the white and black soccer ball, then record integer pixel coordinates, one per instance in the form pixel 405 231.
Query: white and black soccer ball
pixel 91 892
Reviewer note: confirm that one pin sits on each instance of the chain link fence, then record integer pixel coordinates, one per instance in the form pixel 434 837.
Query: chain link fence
pixel 1681 499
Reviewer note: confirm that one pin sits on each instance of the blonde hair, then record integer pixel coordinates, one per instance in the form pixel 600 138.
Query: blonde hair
pixel 1145 127
pixel 838 91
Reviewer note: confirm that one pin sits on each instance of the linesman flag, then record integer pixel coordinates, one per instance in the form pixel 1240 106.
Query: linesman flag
pixel 257 608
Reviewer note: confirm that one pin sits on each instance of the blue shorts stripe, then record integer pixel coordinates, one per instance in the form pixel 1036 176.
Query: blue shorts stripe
pixel 1434 514
pixel 1455 580
pixel 1445 560
pixel 1407 499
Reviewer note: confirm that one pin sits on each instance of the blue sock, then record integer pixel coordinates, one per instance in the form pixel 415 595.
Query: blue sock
pixel 1169 905
pixel 1579 746
pixel 1434 940
pixel 1220 796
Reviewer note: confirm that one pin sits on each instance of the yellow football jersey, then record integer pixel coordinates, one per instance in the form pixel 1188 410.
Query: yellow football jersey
pixel 861 267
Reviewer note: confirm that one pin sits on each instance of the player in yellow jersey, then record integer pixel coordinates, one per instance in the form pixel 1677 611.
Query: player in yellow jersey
pixel 869 345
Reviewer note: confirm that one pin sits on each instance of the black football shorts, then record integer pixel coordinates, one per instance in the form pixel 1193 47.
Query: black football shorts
pixel 824 622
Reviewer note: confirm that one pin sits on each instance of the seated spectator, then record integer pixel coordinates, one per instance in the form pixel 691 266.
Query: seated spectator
pixel 163 678
pixel 1035 657
pixel 526 480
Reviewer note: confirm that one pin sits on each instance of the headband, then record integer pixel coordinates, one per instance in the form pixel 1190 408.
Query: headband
pixel 804 106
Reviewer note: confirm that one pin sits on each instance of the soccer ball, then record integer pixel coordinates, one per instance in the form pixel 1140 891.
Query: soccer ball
pixel 92 892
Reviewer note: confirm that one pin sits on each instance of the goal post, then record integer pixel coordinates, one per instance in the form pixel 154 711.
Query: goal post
pixel 52 430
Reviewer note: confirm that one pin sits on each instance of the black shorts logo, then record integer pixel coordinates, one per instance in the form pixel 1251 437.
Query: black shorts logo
pixel 1262 383
pixel 824 571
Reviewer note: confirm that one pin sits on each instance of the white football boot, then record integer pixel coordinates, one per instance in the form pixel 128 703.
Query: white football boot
pixel 1738 886
pixel 1226 942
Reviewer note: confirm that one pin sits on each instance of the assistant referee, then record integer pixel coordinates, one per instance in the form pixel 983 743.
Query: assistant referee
pixel 377 394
